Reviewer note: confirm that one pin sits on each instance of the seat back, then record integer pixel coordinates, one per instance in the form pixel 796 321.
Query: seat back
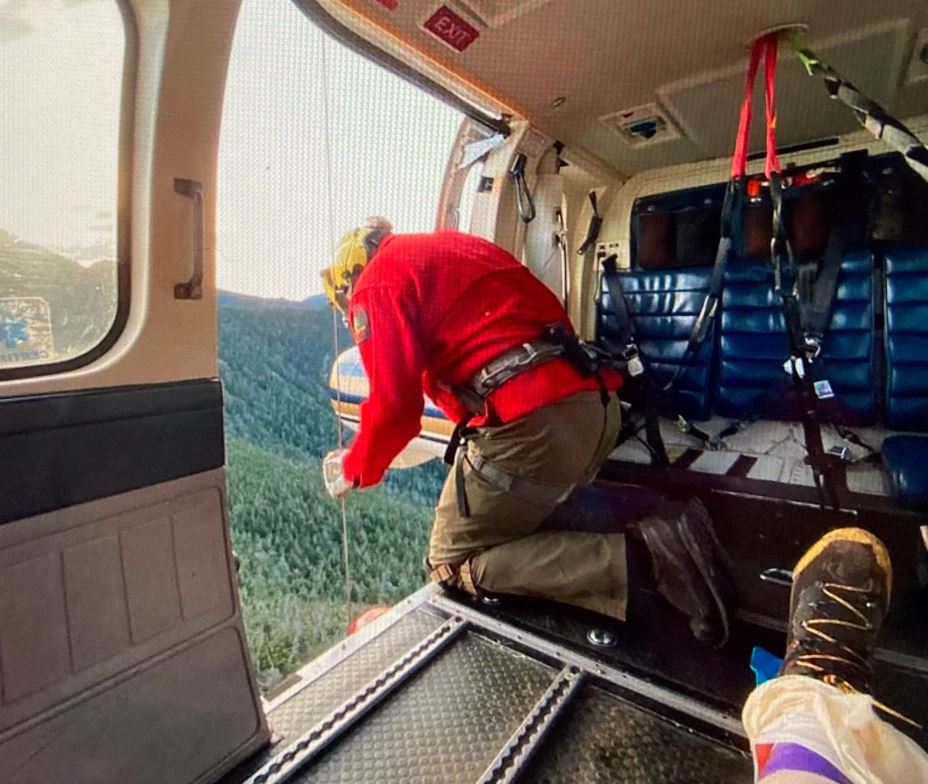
pixel 752 345
pixel 849 344
pixel 906 338
pixel 663 306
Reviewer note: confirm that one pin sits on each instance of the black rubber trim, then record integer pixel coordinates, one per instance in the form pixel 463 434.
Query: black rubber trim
pixel 742 466
pixel 65 449
pixel 332 27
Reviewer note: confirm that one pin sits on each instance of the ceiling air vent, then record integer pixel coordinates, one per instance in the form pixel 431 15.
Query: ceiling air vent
pixel 494 13
pixel 642 125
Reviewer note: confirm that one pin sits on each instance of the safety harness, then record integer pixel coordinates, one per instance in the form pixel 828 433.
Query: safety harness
pixel 557 341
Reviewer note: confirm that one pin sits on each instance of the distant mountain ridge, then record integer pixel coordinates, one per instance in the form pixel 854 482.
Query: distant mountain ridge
pixel 233 298
pixel 80 300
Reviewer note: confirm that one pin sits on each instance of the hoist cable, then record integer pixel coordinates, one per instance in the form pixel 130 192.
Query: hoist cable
pixel 339 430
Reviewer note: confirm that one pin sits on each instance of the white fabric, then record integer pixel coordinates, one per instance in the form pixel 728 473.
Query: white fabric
pixel 336 484
pixel 860 744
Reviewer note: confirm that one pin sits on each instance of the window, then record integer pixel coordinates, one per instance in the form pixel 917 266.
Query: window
pixel 60 117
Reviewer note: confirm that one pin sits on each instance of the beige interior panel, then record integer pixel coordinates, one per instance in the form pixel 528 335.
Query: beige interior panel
pixel 180 719
pixel 565 64
pixel 92 595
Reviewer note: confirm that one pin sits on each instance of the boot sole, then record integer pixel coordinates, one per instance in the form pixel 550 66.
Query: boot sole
pixel 706 551
pixel 855 536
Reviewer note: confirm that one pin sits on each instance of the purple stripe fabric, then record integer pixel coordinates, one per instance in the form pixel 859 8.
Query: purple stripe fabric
pixel 792 756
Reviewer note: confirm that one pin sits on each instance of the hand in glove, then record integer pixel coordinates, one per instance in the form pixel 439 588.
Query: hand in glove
pixel 336 484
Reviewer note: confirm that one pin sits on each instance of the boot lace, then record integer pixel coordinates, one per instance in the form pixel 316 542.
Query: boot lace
pixel 842 654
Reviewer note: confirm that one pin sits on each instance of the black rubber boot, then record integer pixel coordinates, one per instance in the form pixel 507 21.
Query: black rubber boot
pixel 840 595
pixel 690 568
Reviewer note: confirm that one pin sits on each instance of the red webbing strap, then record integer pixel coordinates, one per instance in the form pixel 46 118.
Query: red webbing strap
pixel 740 160
pixel 770 62
pixel 765 47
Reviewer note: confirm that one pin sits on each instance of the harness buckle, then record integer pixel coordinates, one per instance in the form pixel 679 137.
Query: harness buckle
pixel 812 346
pixel 632 358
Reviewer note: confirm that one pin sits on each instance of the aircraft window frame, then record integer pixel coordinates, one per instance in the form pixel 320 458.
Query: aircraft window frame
pixel 123 211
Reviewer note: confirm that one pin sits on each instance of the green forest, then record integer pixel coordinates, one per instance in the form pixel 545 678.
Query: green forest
pixel 275 357
pixel 274 362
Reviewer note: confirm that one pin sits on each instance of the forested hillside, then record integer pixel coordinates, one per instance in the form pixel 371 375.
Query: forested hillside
pixel 81 300
pixel 274 360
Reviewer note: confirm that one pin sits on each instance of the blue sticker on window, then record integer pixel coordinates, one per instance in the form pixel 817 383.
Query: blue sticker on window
pixel 25 331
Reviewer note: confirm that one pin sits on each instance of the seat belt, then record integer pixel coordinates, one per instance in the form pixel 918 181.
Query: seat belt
pixel 653 397
pixel 866 111
pixel 731 206
pixel 810 390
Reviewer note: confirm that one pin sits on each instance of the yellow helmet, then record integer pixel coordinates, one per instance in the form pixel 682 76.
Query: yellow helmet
pixel 352 254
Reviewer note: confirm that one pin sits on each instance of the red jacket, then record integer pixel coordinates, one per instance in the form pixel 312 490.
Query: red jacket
pixel 428 312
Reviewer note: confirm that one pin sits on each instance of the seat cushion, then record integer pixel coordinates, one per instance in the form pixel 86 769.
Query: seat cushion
pixel 663 306
pixel 753 344
pixel 905 458
pixel 907 338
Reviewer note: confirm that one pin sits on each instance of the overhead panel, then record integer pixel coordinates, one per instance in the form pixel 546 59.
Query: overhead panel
pixel 872 60
pixel 574 67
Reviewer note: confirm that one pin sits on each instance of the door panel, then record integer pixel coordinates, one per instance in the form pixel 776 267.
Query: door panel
pixel 182 718
pixel 122 652
pixel 92 593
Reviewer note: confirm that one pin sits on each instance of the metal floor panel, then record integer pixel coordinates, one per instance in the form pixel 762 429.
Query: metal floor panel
pixel 604 739
pixel 446 725
pixel 304 707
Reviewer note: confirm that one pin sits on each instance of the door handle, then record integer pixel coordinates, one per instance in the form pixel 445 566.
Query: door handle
pixel 193 288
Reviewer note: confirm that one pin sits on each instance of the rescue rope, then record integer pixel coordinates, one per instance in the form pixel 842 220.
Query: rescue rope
pixel 880 123
pixel 339 429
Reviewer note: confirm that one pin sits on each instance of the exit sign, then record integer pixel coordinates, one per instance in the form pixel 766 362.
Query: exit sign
pixel 448 27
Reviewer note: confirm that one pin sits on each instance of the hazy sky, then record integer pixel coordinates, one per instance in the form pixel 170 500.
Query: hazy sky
pixel 389 142
pixel 278 215
pixel 61 64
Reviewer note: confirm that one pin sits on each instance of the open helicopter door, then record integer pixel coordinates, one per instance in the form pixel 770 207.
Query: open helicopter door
pixel 122 652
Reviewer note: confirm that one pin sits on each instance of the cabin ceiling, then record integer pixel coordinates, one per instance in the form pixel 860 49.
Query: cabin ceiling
pixel 608 56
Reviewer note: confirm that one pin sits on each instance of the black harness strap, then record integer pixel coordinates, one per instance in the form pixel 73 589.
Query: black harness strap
pixel 557 341
pixel 733 194
pixel 655 399
pixel 809 389
pixel 592 231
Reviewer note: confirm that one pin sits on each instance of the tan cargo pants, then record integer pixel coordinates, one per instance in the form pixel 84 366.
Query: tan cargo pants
pixel 498 546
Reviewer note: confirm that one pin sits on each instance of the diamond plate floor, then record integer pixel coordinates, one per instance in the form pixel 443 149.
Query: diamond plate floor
pixel 603 739
pixel 446 725
pixel 318 698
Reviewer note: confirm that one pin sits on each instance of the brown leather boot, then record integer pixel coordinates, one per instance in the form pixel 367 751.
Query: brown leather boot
pixel 840 596
pixel 690 568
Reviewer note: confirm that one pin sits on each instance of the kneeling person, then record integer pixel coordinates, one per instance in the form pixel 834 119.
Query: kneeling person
pixel 460 319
